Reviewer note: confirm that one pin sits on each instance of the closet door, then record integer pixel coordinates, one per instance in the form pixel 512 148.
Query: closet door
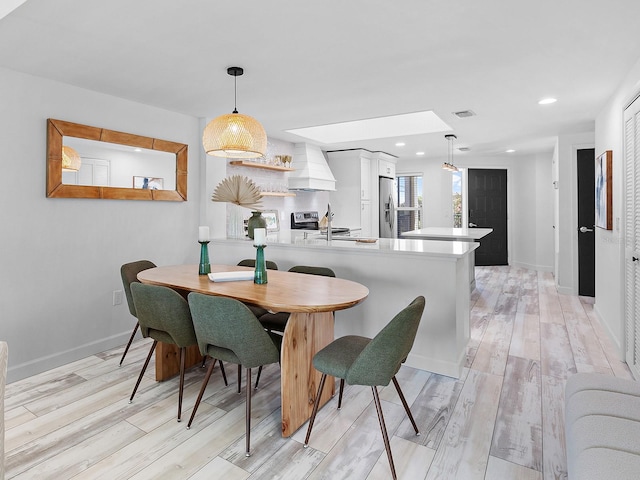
pixel 632 234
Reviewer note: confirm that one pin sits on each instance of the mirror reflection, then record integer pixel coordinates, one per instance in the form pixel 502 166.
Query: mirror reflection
pixel 112 165
pixel 93 162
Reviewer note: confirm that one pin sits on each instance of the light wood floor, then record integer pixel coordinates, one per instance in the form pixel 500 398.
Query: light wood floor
pixel 502 420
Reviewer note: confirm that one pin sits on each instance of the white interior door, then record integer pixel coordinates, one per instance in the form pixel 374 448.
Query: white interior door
pixel 632 235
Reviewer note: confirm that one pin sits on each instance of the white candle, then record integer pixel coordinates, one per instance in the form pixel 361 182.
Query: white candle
pixel 203 234
pixel 259 236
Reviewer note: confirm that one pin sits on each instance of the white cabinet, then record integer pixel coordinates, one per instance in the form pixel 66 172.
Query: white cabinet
pixel 351 202
pixel 386 169
pixel 365 179
pixel 365 218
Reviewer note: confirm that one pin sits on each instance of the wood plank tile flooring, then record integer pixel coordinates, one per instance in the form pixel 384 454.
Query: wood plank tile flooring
pixel 502 420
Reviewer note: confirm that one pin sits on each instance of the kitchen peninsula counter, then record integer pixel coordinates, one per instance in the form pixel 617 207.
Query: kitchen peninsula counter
pixel 395 271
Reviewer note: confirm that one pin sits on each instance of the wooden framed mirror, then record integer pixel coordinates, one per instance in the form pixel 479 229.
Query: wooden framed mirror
pixel 140 187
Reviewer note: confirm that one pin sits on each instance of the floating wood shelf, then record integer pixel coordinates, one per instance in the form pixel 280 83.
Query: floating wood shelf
pixel 277 194
pixel 244 163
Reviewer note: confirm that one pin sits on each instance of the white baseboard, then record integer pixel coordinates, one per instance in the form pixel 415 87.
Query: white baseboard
pixel 616 341
pixel 538 268
pixel 42 364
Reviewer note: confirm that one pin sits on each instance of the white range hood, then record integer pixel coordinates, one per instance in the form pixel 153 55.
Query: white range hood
pixel 311 169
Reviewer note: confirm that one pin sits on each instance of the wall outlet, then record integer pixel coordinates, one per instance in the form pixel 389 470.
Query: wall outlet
pixel 117 297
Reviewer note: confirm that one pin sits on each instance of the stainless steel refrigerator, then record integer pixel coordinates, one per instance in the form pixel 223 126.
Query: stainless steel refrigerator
pixel 388 197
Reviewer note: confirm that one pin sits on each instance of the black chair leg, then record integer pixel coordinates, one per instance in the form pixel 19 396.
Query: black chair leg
pixel 183 355
pixel 248 415
pixel 383 427
pixel 205 381
pixel 258 377
pixel 224 375
pixel 240 378
pixel 126 349
pixel 406 406
pixel 144 368
pixel 204 361
pixel 316 405
pixel 340 394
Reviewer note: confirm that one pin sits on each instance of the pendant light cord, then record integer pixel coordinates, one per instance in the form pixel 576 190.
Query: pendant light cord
pixel 235 94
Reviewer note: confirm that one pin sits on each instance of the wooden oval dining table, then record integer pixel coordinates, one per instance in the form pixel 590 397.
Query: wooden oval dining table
pixel 311 301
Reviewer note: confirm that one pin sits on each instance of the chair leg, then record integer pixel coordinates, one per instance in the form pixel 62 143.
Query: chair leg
pixel 224 375
pixel 316 405
pixel 183 355
pixel 248 415
pixel 126 349
pixel 258 377
pixel 204 361
pixel 144 367
pixel 205 381
pixel 406 406
pixel 239 378
pixel 340 394
pixel 383 428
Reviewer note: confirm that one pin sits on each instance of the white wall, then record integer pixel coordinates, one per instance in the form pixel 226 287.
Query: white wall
pixel 609 305
pixel 530 205
pixel 567 210
pixel 61 258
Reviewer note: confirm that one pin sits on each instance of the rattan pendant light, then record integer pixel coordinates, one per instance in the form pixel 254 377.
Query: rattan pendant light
pixel 234 135
pixel 449 165
pixel 70 159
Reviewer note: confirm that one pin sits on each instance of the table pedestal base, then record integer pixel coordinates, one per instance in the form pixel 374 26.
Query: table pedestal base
pixel 305 335
pixel 168 360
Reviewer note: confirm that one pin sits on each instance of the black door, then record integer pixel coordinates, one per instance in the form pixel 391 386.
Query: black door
pixel 586 217
pixel 487 191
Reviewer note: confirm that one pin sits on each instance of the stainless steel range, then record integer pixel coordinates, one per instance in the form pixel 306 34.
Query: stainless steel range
pixel 311 221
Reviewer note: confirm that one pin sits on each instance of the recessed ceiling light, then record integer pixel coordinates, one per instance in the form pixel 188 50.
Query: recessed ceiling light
pixel 511 150
pixel 400 144
pixel 547 101
pixel 381 127
pixel 419 153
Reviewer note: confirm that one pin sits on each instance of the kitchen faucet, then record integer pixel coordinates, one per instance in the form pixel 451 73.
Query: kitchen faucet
pixel 329 215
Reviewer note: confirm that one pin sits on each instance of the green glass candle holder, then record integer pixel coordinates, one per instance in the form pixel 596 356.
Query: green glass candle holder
pixel 204 267
pixel 260 275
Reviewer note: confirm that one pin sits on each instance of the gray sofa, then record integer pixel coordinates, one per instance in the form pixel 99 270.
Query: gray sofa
pixel 602 420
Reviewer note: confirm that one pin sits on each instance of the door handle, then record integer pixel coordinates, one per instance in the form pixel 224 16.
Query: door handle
pixel 634 259
pixel 472 224
pixel 585 229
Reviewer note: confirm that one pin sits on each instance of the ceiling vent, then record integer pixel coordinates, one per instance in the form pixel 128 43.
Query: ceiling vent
pixel 464 113
pixel 464 149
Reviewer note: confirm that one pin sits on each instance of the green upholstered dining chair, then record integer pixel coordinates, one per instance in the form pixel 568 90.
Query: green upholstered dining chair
pixel 372 362
pixel 250 262
pixel 129 273
pixel 227 330
pixel 276 322
pixel 163 315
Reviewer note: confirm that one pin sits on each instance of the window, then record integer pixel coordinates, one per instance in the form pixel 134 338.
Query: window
pixel 409 203
pixel 456 184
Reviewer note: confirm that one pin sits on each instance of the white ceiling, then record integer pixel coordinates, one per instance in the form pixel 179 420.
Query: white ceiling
pixel 309 63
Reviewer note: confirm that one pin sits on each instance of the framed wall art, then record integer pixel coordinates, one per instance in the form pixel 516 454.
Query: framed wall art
pixel 148 183
pixel 271 216
pixel 604 191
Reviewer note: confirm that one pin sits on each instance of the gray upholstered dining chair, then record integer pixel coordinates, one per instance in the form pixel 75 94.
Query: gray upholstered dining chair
pixel 129 273
pixel 372 362
pixel 163 315
pixel 227 330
